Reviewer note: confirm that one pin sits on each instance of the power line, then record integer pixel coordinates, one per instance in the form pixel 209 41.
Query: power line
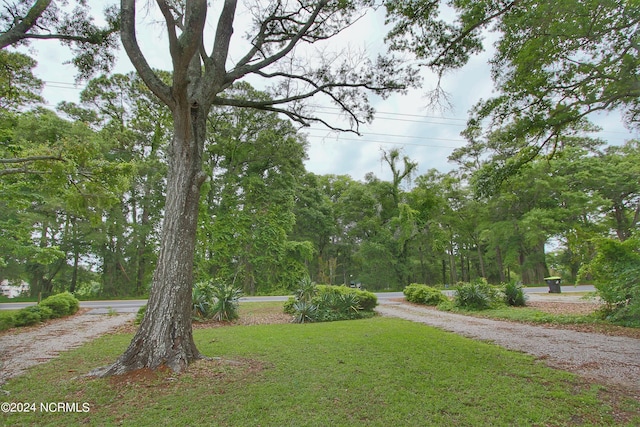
pixel 422 116
pixel 365 134
pixel 387 142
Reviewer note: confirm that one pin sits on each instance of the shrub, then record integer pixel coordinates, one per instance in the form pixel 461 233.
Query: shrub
pixel 32 315
pixel 306 290
pixel 478 295
pixel 304 312
pixel 218 301
pixel 423 294
pixel 615 271
pixel 226 301
pixel 7 321
pixel 289 306
pixel 330 303
pixel 202 297
pixel 27 318
pixel 368 300
pixel 140 315
pixel 335 305
pixel 61 305
pixel 514 295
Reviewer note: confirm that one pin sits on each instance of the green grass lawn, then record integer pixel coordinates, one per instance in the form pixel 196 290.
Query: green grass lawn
pixel 374 372
pixel 533 315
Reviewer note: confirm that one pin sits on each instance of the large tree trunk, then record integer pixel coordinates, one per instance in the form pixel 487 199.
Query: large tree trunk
pixel 165 335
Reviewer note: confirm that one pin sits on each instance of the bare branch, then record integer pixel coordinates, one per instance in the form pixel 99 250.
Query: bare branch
pixel 299 117
pixel 223 37
pixel 130 43
pixel 243 70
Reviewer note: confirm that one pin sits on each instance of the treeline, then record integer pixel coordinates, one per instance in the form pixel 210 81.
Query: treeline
pixel 83 192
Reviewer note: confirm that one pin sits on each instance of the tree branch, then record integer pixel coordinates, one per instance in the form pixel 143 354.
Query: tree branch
pixel 223 37
pixel 303 119
pixel 130 43
pixel 23 25
pixel 241 71
pixel 31 159
pixel 27 161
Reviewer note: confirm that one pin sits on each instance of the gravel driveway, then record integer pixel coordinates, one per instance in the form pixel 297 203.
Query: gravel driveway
pixel 605 359
pixel 20 349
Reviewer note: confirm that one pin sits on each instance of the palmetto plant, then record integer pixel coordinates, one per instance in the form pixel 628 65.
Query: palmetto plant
pixel 478 295
pixel 214 300
pixel 306 290
pixel 514 295
pixel 226 301
pixel 304 311
pixel 202 295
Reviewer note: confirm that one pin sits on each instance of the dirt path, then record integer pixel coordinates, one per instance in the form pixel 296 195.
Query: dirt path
pixel 20 349
pixel 605 359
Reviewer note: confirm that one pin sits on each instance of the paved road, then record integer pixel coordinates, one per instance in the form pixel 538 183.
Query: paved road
pixel 132 306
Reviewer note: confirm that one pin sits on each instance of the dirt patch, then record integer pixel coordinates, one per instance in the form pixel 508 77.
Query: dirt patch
pixel 565 308
pixel 218 369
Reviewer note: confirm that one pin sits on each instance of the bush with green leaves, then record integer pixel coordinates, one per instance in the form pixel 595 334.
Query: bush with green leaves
pixel 304 312
pixel 615 271
pixel 477 295
pixel 202 299
pixel 423 294
pixel 367 300
pixel 226 301
pixel 514 294
pixel 64 304
pixel 33 314
pixel 334 306
pixel 7 320
pixel 306 290
pixel 216 300
pixel 324 303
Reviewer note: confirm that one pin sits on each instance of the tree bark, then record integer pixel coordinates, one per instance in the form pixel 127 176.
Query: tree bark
pixel 500 264
pixel 165 336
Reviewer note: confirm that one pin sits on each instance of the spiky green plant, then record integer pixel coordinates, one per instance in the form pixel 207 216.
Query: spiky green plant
pixel 202 295
pixel 306 290
pixel 514 294
pixel 304 312
pixel 478 295
pixel 226 301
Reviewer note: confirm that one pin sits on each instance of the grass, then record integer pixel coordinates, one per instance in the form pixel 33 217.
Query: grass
pixel 374 372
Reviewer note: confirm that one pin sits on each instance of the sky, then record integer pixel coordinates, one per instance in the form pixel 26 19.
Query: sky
pixel 427 136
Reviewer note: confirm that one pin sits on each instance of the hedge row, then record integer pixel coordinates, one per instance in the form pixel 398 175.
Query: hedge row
pixel 423 294
pixel 55 306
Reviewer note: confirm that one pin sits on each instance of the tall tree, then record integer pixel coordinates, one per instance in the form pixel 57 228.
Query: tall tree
pixel 137 127
pixel 253 160
pixel 202 73
pixel 555 63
